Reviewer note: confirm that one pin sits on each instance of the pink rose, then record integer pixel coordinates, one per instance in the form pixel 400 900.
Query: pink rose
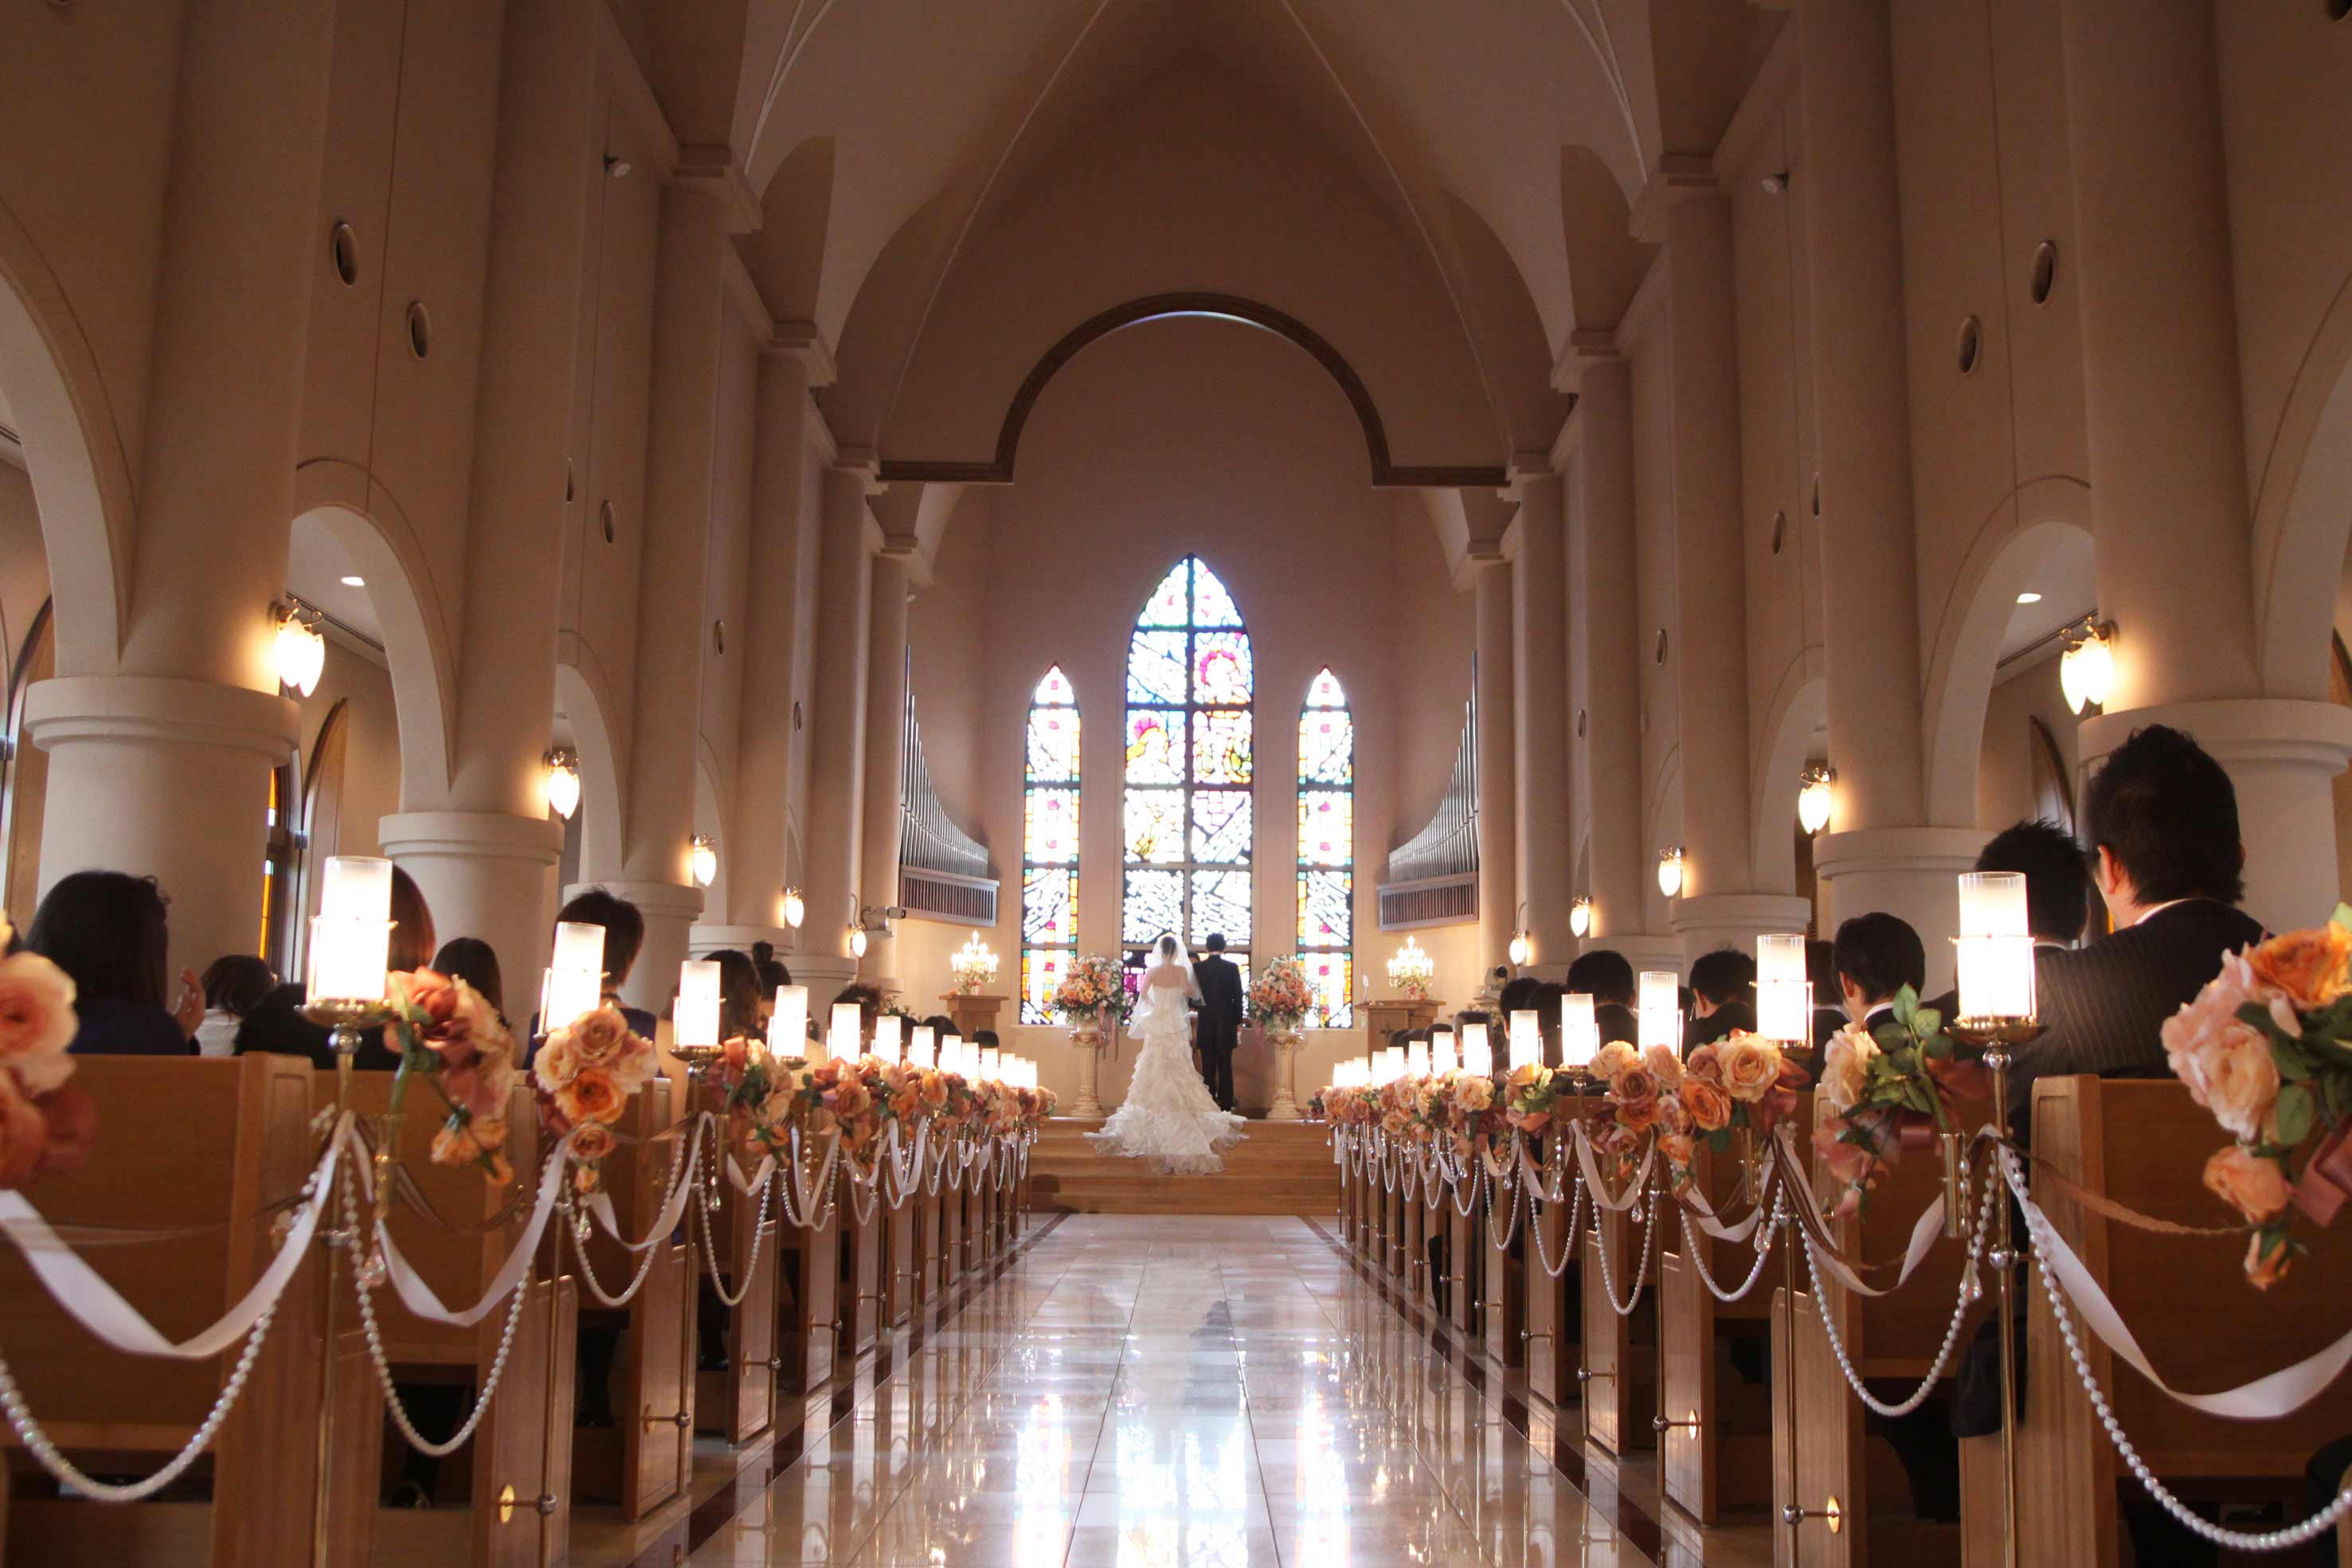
pixel 1613 1059
pixel 2227 1071
pixel 1705 1062
pixel 1472 1092
pixel 1664 1066
pixel 37 1021
pixel 558 1061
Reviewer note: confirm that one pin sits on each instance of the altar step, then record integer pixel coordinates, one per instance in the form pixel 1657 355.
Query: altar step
pixel 1282 1168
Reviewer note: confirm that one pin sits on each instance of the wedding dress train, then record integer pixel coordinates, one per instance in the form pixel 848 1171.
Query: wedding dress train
pixel 1168 1116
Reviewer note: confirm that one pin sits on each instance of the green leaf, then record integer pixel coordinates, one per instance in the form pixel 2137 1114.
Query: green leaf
pixel 2337 1091
pixel 1720 1140
pixel 2343 916
pixel 2294 1063
pixel 2296 1113
pixel 1927 1022
pixel 1906 1004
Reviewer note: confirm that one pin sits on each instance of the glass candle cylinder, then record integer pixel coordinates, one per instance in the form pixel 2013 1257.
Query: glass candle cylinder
pixel 1995 946
pixel 1478 1050
pixel 951 1056
pixel 1416 1058
pixel 922 1049
pixel 695 1019
pixel 846 1038
pixel 352 932
pixel 1659 1016
pixel 788 1025
pixel 991 1062
pixel 575 975
pixel 1441 1059
pixel 1784 997
pixel 1527 1039
pixel 1580 1034
pixel 887 1034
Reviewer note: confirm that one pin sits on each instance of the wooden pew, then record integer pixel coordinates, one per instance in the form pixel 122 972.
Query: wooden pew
pixel 645 1457
pixel 510 1462
pixel 1710 1349
pixel 737 1400
pixel 860 1295
pixel 1838 1454
pixel 902 1273
pixel 808 1319
pixel 1504 1282
pixel 1466 1249
pixel 201 1146
pixel 1554 1304
pixel 1619 1373
pixel 2188 1304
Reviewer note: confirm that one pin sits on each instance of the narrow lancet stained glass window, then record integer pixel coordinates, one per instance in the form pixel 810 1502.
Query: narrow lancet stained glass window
pixel 1190 762
pixel 1327 851
pixel 1049 846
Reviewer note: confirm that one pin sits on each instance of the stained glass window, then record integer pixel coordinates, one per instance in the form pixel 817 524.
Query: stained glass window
pixel 1327 851
pixel 1049 846
pixel 1191 760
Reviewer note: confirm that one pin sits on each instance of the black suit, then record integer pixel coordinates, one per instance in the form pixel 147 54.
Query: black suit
pixel 1717 1025
pixel 1221 1023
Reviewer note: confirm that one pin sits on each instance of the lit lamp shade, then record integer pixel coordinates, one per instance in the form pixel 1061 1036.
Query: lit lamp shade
pixel 857 941
pixel 1995 946
pixel 1660 1016
pixel 788 1025
pixel 1814 800
pixel 888 1030
pixel 795 908
pixel 562 784
pixel 1477 1052
pixel 991 1063
pixel 923 1049
pixel 1527 1039
pixel 951 1055
pixel 1442 1057
pixel 1391 1064
pixel 2086 671
pixel 1670 872
pixel 301 657
pixel 845 1039
pixel 1523 949
pixel 1580 1032
pixel 352 932
pixel 695 1019
pixel 575 975
pixel 1580 918
pixel 1784 997
pixel 1416 1059
pixel 702 859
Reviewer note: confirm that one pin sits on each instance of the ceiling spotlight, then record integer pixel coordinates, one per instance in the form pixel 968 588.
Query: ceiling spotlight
pixel 2028 597
pixel 354 582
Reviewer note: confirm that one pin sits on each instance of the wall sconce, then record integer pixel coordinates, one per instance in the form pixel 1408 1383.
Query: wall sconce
pixel 2086 670
pixel 1523 945
pixel 563 781
pixel 302 651
pixel 795 908
pixel 1670 870
pixel 703 854
pixel 1814 798
pixel 856 927
pixel 1580 917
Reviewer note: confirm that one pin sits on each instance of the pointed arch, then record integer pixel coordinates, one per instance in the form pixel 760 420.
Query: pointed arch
pixel 1187 825
pixel 1049 844
pixel 1326 851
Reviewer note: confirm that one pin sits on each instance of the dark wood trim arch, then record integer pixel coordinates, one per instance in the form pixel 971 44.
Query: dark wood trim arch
pixel 998 470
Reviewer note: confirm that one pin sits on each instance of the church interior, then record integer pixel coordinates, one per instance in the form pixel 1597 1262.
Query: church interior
pixel 742 562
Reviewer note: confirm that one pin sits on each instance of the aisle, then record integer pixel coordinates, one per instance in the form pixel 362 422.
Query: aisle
pixel 1155 1390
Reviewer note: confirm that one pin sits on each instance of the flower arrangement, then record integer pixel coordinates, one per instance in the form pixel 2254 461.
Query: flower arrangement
pixel 48 1125
pixel 1886 1087
pixel 1095 990
pixel 1280 998
pixel 1741 1083
pixel 583 1076
pixel 448 1033
pixel 2267 1047
pixel 1351 1105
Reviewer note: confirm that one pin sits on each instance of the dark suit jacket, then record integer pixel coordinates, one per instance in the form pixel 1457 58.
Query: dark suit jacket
pixel 1221 1003
pixel 1719 1025
pixel 2103 1007
pixel 110 1027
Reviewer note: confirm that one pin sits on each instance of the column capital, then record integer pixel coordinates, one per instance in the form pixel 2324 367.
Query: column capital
pixel 1734 919
pixel 804 342
pixel 653 899
pixel 1951 850
pixel 536 841
pixel 67 708
pixel 1679 177
pixel 2273 732
pixel 862 463
pixel 704 940
pixel 712 168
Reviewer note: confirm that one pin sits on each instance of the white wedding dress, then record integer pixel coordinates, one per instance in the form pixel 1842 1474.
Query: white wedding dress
pixel 1168 1116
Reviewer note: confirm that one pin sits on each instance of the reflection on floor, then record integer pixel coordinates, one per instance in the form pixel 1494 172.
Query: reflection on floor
pixel 1152 1390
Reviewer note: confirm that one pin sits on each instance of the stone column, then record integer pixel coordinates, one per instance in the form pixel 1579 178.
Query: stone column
pixel 885 759
pixel 1882 854
pixel 1498 807
pixel 2166 430
pixel 1546 861
pixel 159 756
pixel 1607 644
pixel 837 772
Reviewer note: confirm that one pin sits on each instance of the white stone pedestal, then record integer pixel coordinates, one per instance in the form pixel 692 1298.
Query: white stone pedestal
pixel 1286 1076
pixel 1089 1039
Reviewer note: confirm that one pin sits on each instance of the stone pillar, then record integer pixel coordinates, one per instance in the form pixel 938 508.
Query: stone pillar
pixel 2166 432
pixel 1609 646
pixel 484 873
pixel 1498 807
pixel 1546 859
pixel 1882 854
pixel 885 759
pixel 160 756
pixel 837 771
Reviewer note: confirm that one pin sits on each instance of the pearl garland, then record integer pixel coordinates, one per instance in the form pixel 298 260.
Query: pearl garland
pixel 1970 1292
pixel 1764 1236
pixel 1570 1237
pixel 751 1266
pixel 1641 1277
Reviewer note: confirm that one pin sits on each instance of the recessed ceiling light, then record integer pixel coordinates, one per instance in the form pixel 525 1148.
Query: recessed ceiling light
pixel 2022 598
pixel 361 583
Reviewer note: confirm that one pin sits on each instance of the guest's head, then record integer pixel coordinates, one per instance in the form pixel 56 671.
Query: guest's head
pixel 1470 1016
pixel 771 969
pixel 1820 970
pixel 739 995
pixel 474 961
pixel 985 1039
pixel 624 929
pixel 411 925
pixel 1520 996
pixel 1216 942
pixel 1725 975
pixel 235 983
pixel 940 1025
pixel 1547 1007
pixel 1605 973
pixel 1877 955
pixel 276 1025
pixel 106 930
pixel 2057 877
pixel 2164 825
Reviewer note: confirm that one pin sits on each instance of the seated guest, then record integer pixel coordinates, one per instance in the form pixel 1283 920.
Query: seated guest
pixel 939 1024
pixel 2057 879
pixel 1877 955
pixel 2163 821
pixel 773 975
pixel 1820 969
pixel 106 930
pixel 624 935
pixel 986 1039
pixel 473 960
pixel 1604 975
pixel 276 1025
pixel 1723 984
pixel 412 945
pixel 234 984
pixel 1517 996
pixel 740 1014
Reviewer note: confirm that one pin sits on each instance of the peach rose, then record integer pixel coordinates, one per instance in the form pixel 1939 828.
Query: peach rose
pixel 2252 1185
pixel 1709 1106
pixel 37 1021
pixel 2231 1072
pixel 1635 1083
pixel 1612 1059
pixel 24 1135
pixel 1676 1147
pixel 2268 1260
pixel 2308 967
pixel 1750 1068
pixel 1845 1067
pixel 1664 1066
pixel 1474 1094
pixel 635 1063
pixel 476 1142
pixel 592 1141
pixel 1638 1115
pixel 599 1035
pixel 1707 1063
pixel 590 1096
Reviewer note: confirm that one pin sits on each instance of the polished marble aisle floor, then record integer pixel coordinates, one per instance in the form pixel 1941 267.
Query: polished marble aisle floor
pixel 1175 1390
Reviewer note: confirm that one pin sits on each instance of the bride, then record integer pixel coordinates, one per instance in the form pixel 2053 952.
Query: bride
pixel 1168 1117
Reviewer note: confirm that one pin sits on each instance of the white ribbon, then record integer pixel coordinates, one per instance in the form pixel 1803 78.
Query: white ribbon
pixel 1601 1198
pixel 1925 1231
pixel 1701 1214
pixel 673 1210
pixel 416 1295
pixel 99 1307
pixel 2281 1393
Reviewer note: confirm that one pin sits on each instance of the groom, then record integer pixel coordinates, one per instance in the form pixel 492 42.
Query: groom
pixel 1221 1019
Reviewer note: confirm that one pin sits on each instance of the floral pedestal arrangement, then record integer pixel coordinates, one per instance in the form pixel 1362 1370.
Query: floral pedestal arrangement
pixel 1087 1035
pixel 1286 1043
pixel 1092 996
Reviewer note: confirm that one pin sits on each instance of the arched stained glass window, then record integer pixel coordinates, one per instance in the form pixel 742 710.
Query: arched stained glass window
pixel 1049 846
pixel 1327 851
pixel 1187 821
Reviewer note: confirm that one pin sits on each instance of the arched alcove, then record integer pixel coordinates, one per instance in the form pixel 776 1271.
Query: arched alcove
pixel 589 721
pixel 2303 516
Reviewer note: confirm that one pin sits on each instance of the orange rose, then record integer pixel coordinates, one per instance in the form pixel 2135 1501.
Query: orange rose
pixel 2309 966
pixel 590 1096
pixel 37 1021
pixel 599 1035
pixel 1709 1106
pixel 1707 1063
pixel 1635 1084
pixel 1676 1147
pixel 592 1141
pixel 2268 1260
pixel 1749 1067
pixel 1638 1115
pixel 1664 1066
pixel 2252 1185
